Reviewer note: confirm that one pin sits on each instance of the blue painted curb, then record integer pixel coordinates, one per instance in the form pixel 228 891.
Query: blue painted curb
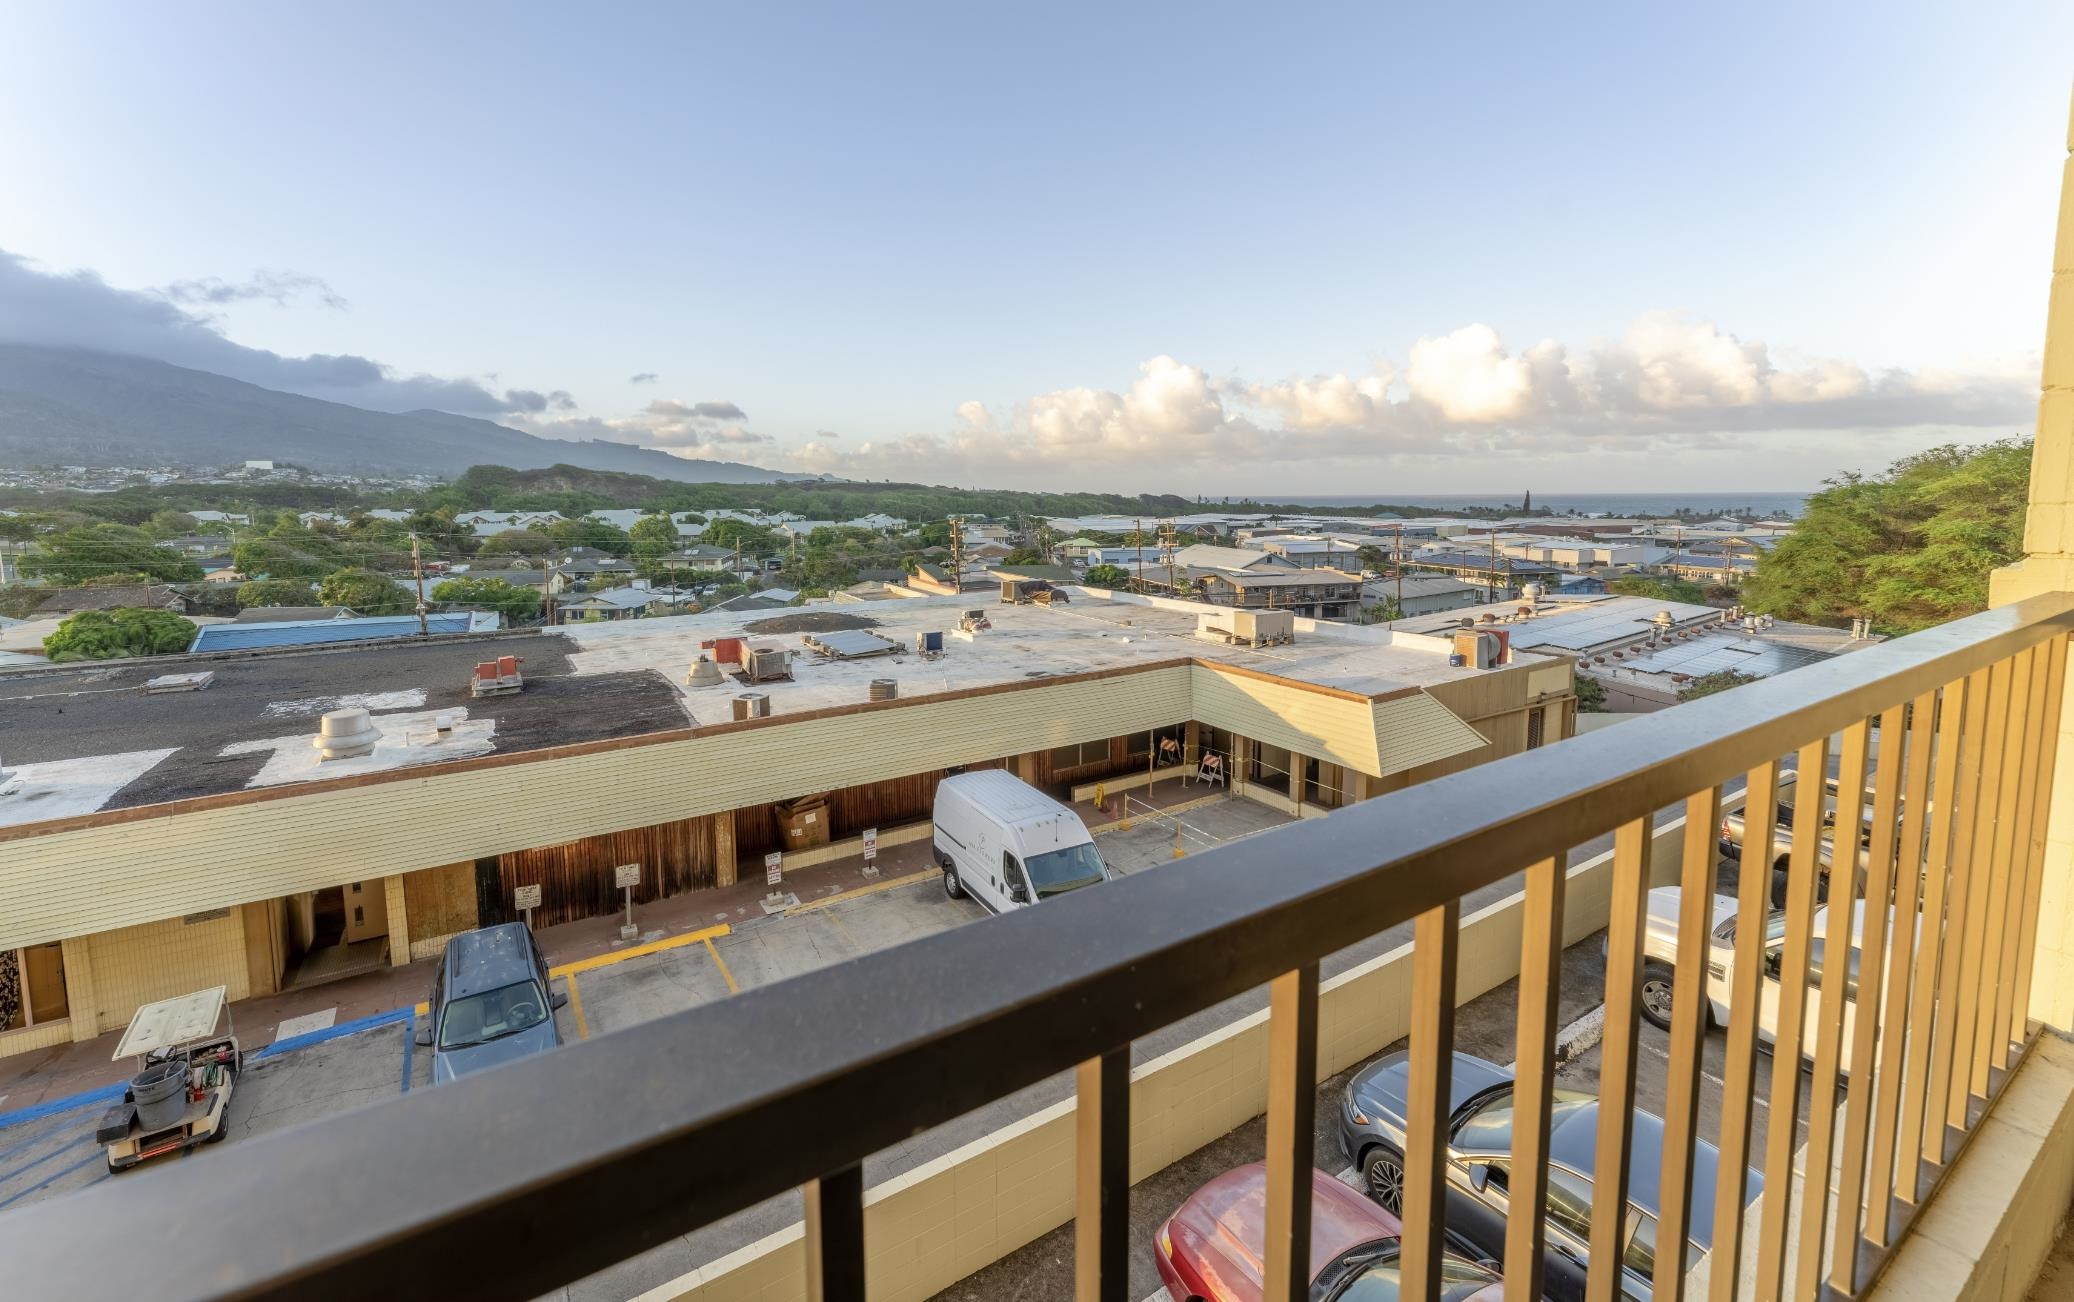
pixel 110 1093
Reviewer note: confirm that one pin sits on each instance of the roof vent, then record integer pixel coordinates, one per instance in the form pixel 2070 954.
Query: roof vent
pixel 343 734
pixel 1662 619
pixel 752 705
pixel 704 673
pixel 885 689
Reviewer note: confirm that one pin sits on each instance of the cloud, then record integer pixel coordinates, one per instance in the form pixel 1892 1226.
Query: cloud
pixel 277 287
pixel 80 310
pixel 689 429
pixel 826 434
pixel 1671 383
pixel 645 377
pixel 533 400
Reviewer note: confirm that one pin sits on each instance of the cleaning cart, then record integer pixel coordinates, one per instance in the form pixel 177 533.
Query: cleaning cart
pixel 186 1070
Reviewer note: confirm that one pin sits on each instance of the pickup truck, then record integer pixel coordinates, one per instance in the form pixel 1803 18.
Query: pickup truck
pixel 1732 825
pixel 1660 957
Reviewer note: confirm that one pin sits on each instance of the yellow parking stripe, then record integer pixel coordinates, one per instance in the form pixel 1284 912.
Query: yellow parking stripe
pixel 861 891
pixel 721 963
pixel 583 1026
pixel 597 961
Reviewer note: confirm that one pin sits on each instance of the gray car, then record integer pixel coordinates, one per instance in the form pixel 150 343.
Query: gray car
pixel 491 1002
pixel 1479 1160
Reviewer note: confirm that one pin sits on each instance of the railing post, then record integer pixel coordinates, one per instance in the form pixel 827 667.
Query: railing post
pixel 1617 1056
pixel 1434 939
pixel 835 1236
pixel 1292 1097
pixel 1102 1178
pixel 1533 1091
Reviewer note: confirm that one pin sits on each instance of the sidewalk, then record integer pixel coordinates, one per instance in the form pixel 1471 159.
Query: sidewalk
pixel 45 1075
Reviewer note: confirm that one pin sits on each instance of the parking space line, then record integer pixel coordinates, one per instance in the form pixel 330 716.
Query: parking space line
pixel 861 891
pixel 721 963
pixel 410 1042
pixel 96 1156
pixel 583 1026
pixel 640 951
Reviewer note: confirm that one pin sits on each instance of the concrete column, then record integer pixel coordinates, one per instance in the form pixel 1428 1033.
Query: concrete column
pixel 1358 785
pixel 85 1004
pixel 1241 760
pixel 1191 743
pixel 724 848
pixel 399 920
pixel 2048 566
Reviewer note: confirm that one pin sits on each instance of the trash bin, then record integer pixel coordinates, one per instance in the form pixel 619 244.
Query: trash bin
pixel 160 1093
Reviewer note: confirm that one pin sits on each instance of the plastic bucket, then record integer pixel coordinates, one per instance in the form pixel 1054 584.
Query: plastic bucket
pixel 160 1092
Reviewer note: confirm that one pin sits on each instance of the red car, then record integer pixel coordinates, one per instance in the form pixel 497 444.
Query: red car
pixel 1209 1249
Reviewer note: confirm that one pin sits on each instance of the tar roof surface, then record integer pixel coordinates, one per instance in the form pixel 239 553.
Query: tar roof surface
pixel 98 711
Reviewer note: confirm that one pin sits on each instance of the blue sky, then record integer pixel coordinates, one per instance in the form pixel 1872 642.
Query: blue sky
pixel 1326 249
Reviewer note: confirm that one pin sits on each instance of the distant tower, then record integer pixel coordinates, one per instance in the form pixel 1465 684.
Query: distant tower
pixel 1528 506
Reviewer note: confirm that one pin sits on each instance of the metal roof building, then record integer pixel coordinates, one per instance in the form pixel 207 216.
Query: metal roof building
pixel 318 632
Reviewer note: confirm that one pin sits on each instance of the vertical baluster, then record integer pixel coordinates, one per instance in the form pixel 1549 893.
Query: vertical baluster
pixel 1980 831
pixel 1783 1116
pixel 1957 903
pixel 1739 1071
pixel 1292 1097
pixel 1533 1090
pixel 1917 1129
pixel 1435 937
pixel 835 1237
pixel 1688 1036
pixel 2017 913
pixel 1884 967
pixel 1627 910
pixel 1829 1008
pixel 1102 1178
pixel 2004 871
pixel 2027 948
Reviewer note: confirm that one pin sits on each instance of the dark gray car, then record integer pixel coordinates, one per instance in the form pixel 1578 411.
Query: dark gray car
pixel 491 1002
pixel 1479 1153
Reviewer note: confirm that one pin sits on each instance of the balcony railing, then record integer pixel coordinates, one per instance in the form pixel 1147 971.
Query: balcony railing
pixel 512 1182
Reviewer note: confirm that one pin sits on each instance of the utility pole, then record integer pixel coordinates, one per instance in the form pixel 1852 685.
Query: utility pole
pixel 417 569
pixel 1138 536
pixel 1400 572
pixel 1166 547
pixel 957 523
pixel 1490 587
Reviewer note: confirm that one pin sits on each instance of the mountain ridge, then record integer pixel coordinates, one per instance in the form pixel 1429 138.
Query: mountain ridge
pixel 78 407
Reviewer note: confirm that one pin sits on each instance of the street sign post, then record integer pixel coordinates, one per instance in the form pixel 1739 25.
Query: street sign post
pixel 871 851
pixel 526 899
pixel 774 869
pixel 627 876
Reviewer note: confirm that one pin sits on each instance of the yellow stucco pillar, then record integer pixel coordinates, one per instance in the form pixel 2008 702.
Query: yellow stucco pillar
pixel 84 1005
pixel 2048 566
pixel 399 921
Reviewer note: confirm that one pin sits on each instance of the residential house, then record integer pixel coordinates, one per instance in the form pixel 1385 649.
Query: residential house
pixel 70 601
pixel 1314 592
pixel 1423 594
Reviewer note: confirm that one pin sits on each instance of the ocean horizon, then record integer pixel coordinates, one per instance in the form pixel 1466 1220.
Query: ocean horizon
pixel 1609 504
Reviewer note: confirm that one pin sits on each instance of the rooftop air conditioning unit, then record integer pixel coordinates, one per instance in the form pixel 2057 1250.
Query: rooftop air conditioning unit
pixel 752 705
pixel 764 662
pixel 1263 627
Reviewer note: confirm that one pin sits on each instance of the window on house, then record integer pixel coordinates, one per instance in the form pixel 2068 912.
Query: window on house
pixel 1534 729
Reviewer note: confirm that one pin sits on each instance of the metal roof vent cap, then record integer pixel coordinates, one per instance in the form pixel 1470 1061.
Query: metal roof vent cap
pixel 1662 619
pixel 343 734
pixel 704 673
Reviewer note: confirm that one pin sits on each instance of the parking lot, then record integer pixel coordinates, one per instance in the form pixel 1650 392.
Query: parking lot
pixel 709 948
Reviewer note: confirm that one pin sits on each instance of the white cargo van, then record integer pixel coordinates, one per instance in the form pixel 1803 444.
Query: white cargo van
pixel 1007 844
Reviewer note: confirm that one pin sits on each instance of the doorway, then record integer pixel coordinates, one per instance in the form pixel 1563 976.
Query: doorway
pixel 336 932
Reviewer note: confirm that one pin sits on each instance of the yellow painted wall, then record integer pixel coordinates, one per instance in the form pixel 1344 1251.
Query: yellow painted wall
pixel 133 966
pixel 933 1226
pixel 1310 723
pixel 99 878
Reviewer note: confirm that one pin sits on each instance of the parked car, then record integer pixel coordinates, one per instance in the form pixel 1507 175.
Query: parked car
pixel 1732 835
pixel 1479 1159
pixel 491 1002
pixel 1210 1249
pixel 1660 963
pixel 1007 844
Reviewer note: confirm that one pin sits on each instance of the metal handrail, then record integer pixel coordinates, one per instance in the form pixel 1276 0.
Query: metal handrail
pixel 514 1181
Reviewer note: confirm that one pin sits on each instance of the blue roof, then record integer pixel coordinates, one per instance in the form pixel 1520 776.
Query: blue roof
pixel 317 632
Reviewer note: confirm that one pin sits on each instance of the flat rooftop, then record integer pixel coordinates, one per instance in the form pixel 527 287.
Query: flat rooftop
pixel 88 737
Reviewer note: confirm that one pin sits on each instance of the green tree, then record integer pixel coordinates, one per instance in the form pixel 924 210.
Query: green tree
pixel 366 593
pixel 517 542
pixel 16 528
pixel 1718 681
pixel 122 631
pixel 169 524
pixel 934 534
pixel 1907 548
pixel 1591 695
pixel 1110 577
pixel 1382 612
pixel 73 556
pixel 584 532
pixel 278 557
pixel 754 539
pixel 655 532
pixel 1024 556
pixel 514 602
pixel 275 592
pixel 1641 585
